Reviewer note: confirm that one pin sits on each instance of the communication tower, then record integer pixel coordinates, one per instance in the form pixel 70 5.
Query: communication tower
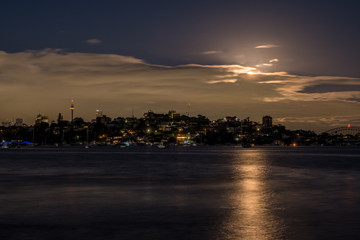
pixel 72 108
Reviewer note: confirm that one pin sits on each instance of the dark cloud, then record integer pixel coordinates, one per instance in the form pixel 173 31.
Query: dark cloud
pixel 93 41
pixel 353 99
pixel 324 88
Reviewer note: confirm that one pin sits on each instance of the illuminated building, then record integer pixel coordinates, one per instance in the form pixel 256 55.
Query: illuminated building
pixel 173 114
pixel 99 113
pixel 41 119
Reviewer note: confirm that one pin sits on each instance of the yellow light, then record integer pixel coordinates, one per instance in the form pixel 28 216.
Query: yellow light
pixel 180 137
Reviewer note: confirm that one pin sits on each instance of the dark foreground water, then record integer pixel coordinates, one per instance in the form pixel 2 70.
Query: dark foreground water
pixel 182 193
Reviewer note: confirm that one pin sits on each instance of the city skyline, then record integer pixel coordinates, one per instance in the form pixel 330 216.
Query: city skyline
pixel 166 130
pixel 294 61
pixel 265 119
pixel 40 117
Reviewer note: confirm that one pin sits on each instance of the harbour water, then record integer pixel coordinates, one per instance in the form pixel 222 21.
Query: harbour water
pixel 180 193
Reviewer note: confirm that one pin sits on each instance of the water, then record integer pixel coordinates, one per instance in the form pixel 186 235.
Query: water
pixel 180 193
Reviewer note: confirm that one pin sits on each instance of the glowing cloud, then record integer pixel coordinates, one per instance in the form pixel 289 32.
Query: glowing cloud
pixel 264 65
pixel 93 41
pixel 273 60
pixel 222 81
pixel 267 46
pixel 211 52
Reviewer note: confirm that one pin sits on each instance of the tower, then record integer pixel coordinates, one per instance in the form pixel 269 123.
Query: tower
pixel 99 113
pixel 267 121
pixel 72 108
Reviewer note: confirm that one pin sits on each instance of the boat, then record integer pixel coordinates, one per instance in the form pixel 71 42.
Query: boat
pixel 160 145
pixel 123 144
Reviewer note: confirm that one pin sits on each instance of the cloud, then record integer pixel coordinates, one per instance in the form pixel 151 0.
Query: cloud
pixel 269 64
pixel 318 88
pixel 267 46
pixel 330 87
pixel 47 80
pixel 264 65
pixel 222 81
pixel 93 41
pixel 273 60
pixel 328 122
pixel 211 52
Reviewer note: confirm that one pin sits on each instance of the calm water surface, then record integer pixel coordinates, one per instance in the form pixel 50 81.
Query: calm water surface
pixel 180 193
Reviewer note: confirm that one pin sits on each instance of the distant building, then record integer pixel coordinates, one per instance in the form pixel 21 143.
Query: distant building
pixel 41 119
pixel 60 119
pixel 267 121
pixel 7 124
pixel 19 122
pixel 149 114
pixel 99 113
pixel 230 119
pixel 173 114
pixel 103 120
pixel 78 122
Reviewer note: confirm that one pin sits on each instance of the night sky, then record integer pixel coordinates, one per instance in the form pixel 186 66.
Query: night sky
pixel 297 61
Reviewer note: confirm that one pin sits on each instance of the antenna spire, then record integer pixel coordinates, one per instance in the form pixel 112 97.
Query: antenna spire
pixel 72 108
